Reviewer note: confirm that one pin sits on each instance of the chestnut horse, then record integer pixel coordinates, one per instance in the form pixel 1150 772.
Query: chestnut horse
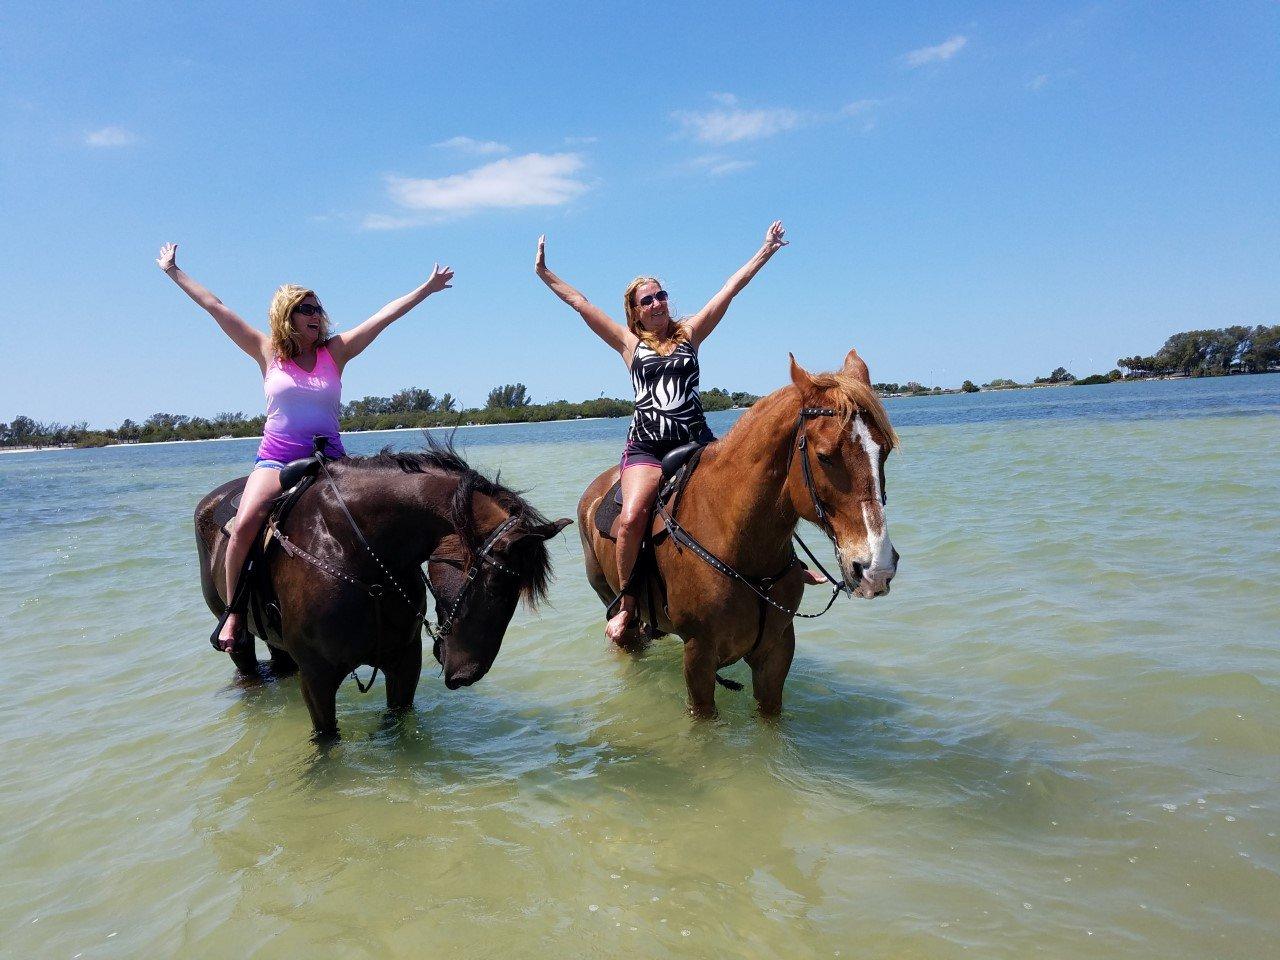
pixel 814 449
pixel 347 573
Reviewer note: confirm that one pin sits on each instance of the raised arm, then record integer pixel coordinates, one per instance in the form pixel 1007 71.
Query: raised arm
pixel 705 320
pixel 346 345
pixel 605 327
pixel 253 342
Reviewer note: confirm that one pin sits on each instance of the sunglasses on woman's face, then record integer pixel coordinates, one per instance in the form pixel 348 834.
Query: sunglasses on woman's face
pixel 309 310
pixel 660 296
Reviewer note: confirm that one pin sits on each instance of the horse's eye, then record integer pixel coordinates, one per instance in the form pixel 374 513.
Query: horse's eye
pixel 827 459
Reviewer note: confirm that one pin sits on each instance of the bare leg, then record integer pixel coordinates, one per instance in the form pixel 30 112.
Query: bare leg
pixel 700 677
pixel 261 488
pixel 769 668
pixel 639 488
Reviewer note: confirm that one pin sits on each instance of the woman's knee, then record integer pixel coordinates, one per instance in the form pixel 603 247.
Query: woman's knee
pixel 634 516
pixel 249 520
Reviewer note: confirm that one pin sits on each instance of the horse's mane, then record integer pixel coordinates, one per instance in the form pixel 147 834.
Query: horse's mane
pixel 852 396
pixel 532 561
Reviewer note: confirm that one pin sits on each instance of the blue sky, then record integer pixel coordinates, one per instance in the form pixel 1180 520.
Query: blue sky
pixel 972 190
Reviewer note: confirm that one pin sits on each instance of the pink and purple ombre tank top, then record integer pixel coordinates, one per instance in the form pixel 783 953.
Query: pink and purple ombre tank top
pixel 301 405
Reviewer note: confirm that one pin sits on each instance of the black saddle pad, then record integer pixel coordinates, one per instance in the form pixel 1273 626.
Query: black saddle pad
pixel 226 509
pixel 609 509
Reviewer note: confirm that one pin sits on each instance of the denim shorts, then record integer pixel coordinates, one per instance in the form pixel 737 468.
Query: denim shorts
pixel 269 464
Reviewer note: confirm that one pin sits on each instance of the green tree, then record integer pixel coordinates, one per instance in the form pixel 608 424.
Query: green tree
pixel 410 399
pixel 22 431
pixel 716 399
pixel 969 387
pixel 509 396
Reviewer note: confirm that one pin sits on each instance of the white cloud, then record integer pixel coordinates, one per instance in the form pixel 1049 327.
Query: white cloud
pixel 1038 83
pixel 726 99
pixel 734 126
pixel 716 165
pixel 110 137
pixel 468 145
pixel 383 221
pixel 857 107
pixel 942 52
pixel 531 180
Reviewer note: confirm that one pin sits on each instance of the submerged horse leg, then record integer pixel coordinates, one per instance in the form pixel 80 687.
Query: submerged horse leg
pixel 700 677
pixel 319 682
pixel 282 665
pixel 245 656
pixel 402 678
pixel 769 668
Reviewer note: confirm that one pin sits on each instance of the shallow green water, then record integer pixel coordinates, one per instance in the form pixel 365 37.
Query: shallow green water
pixel 1057 736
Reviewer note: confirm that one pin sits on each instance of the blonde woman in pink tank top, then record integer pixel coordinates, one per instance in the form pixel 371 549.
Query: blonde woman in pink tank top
pixel 301 367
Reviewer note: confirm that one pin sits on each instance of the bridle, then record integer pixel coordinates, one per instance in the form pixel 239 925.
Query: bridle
pixel 801 445
pixel 761 586
pixel 377 590
pixel 440 634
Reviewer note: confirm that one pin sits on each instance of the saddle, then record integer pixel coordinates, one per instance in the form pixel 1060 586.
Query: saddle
pixel 677 467
pixel 254 593
pixel 610 507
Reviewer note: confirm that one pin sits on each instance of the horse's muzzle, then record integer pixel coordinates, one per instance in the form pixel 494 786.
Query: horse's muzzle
pixel 870 582
pixel 464 677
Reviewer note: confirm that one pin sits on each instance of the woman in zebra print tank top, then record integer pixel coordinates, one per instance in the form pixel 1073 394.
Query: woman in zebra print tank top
pixel 662 356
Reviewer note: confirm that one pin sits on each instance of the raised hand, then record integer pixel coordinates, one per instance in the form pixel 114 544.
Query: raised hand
pixel 439 280
pixel 773 237
pixel 168 259
pixel 540 262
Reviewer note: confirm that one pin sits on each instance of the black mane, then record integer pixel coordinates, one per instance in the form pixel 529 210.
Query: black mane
pixel 531 560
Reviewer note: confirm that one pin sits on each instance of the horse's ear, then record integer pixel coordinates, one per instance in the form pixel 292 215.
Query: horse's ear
pixel 546 531
pixel 856 366
pixel 800 376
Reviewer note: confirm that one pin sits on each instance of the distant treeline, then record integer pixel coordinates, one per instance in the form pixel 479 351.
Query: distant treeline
pixel 413 407
pixel 1195 353
pixel 1211 353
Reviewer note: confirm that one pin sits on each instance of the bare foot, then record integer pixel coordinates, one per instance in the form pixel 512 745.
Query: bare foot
pixel 813 578
pixel 230 630
pixel 616 628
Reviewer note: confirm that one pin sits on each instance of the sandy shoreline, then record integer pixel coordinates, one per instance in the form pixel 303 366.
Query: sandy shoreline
pixel 345 433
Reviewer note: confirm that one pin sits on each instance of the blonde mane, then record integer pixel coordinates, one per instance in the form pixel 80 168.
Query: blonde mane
pixel 851 396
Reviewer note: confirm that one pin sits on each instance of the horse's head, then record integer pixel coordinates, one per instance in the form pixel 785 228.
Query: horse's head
pixel 479 573
pixel 846 437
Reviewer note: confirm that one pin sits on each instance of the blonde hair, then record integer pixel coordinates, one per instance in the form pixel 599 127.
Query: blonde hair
pixel 650 340
pixel 284 338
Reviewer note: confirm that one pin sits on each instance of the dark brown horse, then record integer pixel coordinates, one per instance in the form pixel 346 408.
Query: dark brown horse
pixel 484 546
pixel 743 503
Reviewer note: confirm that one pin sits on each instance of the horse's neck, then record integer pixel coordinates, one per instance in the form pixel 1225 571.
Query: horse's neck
pixel 740 488
pixel 408 513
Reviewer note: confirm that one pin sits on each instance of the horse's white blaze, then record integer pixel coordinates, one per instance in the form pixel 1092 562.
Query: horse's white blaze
pixel 878 543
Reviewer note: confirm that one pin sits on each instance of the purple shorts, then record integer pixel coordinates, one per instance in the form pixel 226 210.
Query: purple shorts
pixel 649 453
pixel 633 456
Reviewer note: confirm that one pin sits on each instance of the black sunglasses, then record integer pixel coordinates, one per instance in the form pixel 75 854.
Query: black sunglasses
pixel 307 310
pixel 660 296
